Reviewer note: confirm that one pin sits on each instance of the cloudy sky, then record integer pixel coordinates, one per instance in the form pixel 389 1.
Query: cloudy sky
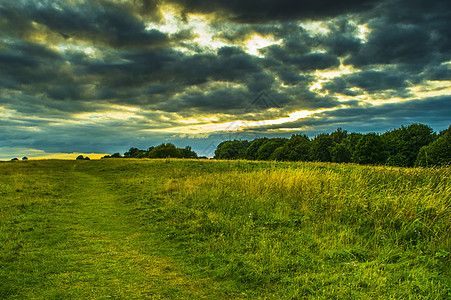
pixel 101 76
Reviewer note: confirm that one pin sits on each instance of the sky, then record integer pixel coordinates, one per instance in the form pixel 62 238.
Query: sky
pixel 102 76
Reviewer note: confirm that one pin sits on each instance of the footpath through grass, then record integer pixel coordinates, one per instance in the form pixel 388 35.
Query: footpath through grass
pixel 64 234
pixel 180 229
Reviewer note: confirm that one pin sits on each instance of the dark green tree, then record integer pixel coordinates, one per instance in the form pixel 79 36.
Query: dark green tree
pixel 320 149
pixel 404 144
pixel 251 151
pixel 438 152
pixel 280 154
pixel 187 152
pixel 370 150
pixel 298 148
pixel 164 151
pixel 341 153
pixel 268 147
pixel 353 138
pixel 134 153
pixel 231 149
pixel 339 135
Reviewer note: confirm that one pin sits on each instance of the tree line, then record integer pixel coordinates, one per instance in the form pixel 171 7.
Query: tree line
pixel 414 145
pixel 161 151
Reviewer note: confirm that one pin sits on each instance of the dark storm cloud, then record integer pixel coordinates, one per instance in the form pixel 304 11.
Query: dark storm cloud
pixel 292 78
pixel 394 44
pixel 159 74
pixel 35 69
pixel 278 56
pixel 438 73
pixel 24 63
pixel 131 68
pixel 297 52
pixel 108 23
pixel 136 67
pixel 434 16
pixel 342 38
pixel 431 111
pixel 374 81
pixel 314 61
pixel 211 101
pixel 411 34
pixel 369 81
pixel 230 64
pixel 254 11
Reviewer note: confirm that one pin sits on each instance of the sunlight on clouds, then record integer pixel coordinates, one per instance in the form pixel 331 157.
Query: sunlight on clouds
pixel 89 51
pixel 427 90
pixel 111 112
pixel 289 129
pixel 123 107
pixel 171 24
pixel 316 28
pixel 106 116
pixel 239 124
pixel 342 70
pixel 197 24
pixel 257 42
pixel 317 85
pixel 204 33
pixel 198 120
pixel 6 113
pixel 364 32
pixel 342 98
pixel 433 89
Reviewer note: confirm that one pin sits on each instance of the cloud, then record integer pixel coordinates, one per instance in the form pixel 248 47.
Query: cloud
pixel 432 111
pixel 107 22
pixel 369 82
pixel 253 11
pixel 84 75
pixel 393 44
pixel 24 63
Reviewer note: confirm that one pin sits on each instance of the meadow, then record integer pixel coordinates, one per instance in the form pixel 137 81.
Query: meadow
pixel 209 229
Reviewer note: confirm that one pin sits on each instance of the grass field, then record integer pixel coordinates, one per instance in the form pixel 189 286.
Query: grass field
pixel 181 229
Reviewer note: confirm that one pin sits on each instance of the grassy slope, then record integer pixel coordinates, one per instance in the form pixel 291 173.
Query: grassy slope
pixel 202 229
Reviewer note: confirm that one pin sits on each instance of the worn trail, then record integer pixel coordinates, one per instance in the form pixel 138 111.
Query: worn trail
pixel 90 246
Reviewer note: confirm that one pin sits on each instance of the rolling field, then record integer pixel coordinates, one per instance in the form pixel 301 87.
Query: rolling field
pixel 195 229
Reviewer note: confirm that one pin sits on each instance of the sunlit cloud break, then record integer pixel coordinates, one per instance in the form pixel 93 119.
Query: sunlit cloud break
pixel 239 124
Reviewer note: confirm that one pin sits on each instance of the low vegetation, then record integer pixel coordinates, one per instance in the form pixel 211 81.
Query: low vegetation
pixel 193 229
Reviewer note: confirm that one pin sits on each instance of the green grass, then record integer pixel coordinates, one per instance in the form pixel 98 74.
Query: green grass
pixel 185 229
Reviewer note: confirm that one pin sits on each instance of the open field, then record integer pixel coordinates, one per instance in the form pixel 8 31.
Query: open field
pixel 187 229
